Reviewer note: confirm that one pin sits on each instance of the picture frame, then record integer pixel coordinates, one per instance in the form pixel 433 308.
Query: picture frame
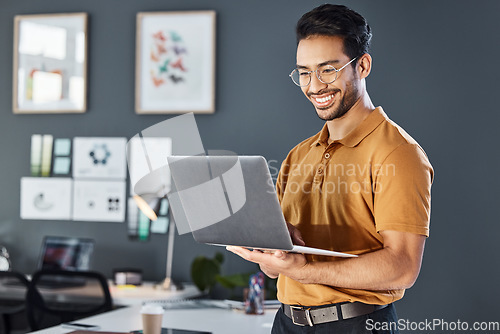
pixel 50 63
pixel 175 62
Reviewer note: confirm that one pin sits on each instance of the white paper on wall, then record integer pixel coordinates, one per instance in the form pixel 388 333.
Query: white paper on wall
pixel 46 198
pixel 146 155
pixel 103 201
pixel 99 157
pixel 132 217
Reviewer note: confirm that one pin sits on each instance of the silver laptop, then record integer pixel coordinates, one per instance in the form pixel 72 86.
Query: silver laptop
pixel 231 200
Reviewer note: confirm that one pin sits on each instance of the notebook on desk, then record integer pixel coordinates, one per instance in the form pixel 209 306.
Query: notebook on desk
pixel 201 303
pixel 230 200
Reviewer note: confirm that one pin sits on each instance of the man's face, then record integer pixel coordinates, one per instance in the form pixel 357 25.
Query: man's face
pixel 330 100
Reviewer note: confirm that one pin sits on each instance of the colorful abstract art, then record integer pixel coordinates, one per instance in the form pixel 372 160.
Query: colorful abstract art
pixel 167 58
pixel 175 62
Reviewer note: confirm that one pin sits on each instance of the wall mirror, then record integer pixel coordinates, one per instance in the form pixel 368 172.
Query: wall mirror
pixel 50 63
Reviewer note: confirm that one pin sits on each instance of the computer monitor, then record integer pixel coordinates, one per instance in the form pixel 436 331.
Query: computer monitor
pixel 66 253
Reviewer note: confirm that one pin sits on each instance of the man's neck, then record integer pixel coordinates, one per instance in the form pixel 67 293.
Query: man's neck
pixel 340 127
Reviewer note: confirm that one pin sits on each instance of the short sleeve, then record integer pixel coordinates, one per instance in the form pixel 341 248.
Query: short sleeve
pixel 402 191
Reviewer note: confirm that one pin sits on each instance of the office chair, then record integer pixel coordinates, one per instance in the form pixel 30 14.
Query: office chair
pixel 55 296
pixel 13 287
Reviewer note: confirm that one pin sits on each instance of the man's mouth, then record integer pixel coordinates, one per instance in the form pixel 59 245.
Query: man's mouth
pixel 324 100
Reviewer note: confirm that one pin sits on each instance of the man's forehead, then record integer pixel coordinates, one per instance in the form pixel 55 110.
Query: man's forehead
pixel 317 50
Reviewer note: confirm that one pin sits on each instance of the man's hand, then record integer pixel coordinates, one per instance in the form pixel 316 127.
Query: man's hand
pixel 275 262
pixel 295 234
pixel 267 267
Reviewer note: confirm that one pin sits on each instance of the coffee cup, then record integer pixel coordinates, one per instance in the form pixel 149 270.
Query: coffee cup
pixel 151 319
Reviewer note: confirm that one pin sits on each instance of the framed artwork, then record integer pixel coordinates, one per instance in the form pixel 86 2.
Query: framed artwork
pixel 175 62
pixel 50 63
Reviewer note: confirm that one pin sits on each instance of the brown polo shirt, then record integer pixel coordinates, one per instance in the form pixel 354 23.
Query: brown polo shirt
pixel 340 195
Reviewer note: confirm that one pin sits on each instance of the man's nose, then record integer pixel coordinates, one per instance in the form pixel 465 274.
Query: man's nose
pixel 316 85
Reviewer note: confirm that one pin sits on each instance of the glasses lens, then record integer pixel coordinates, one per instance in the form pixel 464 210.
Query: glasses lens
pixel 300 77
pixel 327 73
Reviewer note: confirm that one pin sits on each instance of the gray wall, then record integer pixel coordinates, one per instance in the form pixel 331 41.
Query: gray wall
pixel 435 73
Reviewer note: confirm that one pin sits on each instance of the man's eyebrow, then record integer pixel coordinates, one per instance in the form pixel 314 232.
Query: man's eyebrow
pixel 328 62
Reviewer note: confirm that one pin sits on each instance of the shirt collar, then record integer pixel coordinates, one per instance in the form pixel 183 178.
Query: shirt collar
pixel 354 137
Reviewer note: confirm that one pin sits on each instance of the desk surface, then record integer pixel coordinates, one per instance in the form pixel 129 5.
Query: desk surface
pixel 146 292
pixel 123 296
pixel 217 321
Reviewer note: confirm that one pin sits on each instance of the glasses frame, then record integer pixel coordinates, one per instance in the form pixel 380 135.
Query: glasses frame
pixel 318 76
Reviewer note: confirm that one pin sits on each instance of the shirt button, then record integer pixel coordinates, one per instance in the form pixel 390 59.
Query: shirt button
pixel 320 170
pixel 327 155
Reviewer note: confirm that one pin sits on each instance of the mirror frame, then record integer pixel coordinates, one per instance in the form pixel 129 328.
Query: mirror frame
pixel 20 104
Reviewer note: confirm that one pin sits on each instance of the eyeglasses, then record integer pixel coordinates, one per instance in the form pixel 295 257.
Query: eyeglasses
pixel 325 73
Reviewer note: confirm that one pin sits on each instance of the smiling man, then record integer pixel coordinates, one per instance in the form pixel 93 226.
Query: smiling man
pixel 361 185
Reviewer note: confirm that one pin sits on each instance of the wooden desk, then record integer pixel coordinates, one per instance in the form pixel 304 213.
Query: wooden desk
pixel 217 321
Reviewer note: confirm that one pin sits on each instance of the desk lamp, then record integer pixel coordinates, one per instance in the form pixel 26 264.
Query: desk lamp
pixel 150 208
pixel 150 150
pixel 151 179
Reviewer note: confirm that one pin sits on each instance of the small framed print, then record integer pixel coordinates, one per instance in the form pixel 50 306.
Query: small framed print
pixel 175 62
pixel 50 63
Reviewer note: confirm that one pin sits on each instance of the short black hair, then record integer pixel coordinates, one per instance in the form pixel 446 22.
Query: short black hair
pixel 337 20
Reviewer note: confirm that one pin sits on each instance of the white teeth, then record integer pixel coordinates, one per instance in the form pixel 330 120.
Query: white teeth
pixel 324 99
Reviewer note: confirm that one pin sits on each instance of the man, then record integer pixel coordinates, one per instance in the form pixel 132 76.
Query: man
pixel 361 185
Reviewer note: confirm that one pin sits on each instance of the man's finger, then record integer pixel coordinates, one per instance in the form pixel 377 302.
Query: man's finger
pixel 297 237
pixel 236 250
pixel 279 254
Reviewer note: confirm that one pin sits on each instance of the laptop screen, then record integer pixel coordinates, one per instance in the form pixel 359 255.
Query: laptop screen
pixel 66 253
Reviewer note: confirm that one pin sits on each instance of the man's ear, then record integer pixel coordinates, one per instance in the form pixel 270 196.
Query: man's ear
pixel 364 66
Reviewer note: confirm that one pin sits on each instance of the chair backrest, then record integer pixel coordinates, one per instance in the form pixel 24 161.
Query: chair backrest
pixel 13 287
pixel 55 296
